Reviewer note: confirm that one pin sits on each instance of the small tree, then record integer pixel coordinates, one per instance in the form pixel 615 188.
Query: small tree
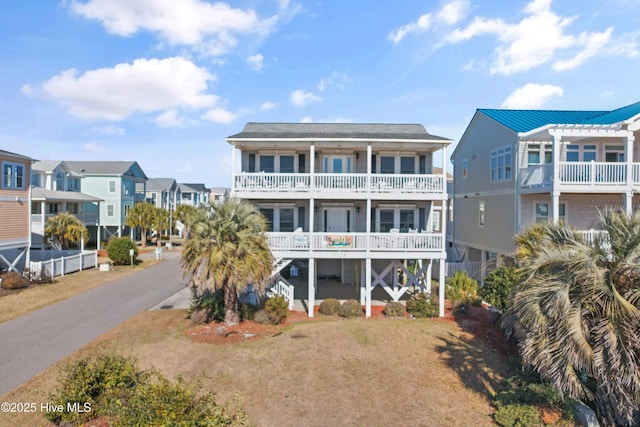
pixel 461 290
pixel 64 229
pixel 186 214
pixel 499 286
pixel 141 215
pixel 160 223
pixel 118 250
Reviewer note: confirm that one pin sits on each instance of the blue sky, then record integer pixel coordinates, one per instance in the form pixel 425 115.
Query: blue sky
pixel 163 82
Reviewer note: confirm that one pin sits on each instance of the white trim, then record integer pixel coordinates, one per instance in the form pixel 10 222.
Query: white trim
pixel 505 192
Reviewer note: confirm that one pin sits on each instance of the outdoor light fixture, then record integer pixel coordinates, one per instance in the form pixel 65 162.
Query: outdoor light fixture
pixel 357 155
pixel 357 209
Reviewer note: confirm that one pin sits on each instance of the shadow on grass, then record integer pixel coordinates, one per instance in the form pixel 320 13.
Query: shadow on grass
pixel 483 356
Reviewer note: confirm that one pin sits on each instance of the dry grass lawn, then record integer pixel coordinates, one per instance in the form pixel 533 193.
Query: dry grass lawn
pixel 323 372
pixel 35 297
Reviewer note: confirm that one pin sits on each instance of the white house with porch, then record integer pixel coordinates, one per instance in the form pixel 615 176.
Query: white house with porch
pixel 349 202
pixel 513 168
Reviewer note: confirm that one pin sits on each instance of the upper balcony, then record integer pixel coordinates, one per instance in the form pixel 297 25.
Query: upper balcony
pixel 339 186
pixel 582 177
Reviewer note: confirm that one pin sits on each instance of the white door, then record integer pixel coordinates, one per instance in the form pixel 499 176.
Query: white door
pixel 337 164
pixel 337 219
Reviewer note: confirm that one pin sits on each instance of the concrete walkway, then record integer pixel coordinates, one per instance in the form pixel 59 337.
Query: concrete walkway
pixel 33 342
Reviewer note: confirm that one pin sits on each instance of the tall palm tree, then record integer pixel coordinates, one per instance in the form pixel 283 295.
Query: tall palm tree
pixel 576 313
pixel 65 228
pixel 227 249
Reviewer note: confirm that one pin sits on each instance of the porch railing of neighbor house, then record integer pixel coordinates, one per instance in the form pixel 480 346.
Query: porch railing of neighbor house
pixel 536 176
pixel 284 288
pixel 473 268
pixel 591 235
pixel 592 173
pixel 343 241
pixel 337 182
pixel 55 267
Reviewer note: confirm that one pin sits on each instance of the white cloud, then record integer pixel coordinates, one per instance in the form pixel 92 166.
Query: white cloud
pixel 449 14
pixel 256 61
pixel 109 130
pixel 169 119
pixel 212 27
pixel 146 85
pixel 93 147
pixel 532 96
pixel 306 119
pixel 27 90
pixel 268 105
pixel 300 98
pixel 537 39
pixel 219 115
pixel 339 79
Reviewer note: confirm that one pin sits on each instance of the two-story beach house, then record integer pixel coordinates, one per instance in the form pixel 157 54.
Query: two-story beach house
pixel 513 168
pixel 14 209
pixel 119 183
pixel 349 202
pixel 196 195
pixel 55 188
pixel 162 192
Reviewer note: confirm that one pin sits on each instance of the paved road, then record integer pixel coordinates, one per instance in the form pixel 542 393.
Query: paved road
pixel 31 343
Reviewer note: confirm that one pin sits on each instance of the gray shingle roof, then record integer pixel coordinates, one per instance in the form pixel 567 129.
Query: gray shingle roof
pixel 45 165
pixel 160 184
pixel 190 188
pixel 39 193
pixel 103 167
pixel 374 131
pixel 15 155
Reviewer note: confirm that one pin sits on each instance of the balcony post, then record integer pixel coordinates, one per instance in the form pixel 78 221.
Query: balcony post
pixel 556 144
pixel 628 159
pixel 367 269
pixel 312 285
pixel 312 167
pixel 233 169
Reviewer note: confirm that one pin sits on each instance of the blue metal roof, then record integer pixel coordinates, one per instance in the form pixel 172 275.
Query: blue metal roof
pixel 526 120
pixel 616 116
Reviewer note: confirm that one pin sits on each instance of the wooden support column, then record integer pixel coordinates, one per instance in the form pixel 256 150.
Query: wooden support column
pixel 363 283
pixel 441 288
pixel 312 285
pixel 368 287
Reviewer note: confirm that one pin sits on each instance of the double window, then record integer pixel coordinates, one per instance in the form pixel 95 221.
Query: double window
pixel 501 164
pixel 13 176
pixel 542 212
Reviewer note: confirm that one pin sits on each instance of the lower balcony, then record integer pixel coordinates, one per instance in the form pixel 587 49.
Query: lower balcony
pixel 355 245
pixel 86 218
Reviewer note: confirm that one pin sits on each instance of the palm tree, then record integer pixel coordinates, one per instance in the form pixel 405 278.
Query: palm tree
pixel 227 249
pixel 576 313
pixel 160 223
pixel 141 215
pixel 65 228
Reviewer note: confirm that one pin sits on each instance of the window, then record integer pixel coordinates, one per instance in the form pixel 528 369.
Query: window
pixel 36 208
pixel 386 220
pixel 407 219
pixel 126 210
pixel 407 165
pixel 35 180
pixel 301 217
pixel 73 184
pixel 286 220
pixel 573 153
pixel 589 153
pixel 286 164
pixel 12 176
pixel 533 154
pixel 252 162
pixel 268 214
pixel 110 209
pixel 481 213
pixel 52 208
pixel 112 186
pixel 387 164
pixel 501 164
pixel 72 208
pixel 266 164
pixel 465 168
pixel 59 181
pixel 301 163
pixel 542 212
pixel 435 221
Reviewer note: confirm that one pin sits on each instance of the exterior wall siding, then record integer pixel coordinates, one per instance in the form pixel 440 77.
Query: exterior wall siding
pixel 15 210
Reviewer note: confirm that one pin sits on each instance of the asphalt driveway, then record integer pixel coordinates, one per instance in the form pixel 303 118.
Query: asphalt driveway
pixel 31 343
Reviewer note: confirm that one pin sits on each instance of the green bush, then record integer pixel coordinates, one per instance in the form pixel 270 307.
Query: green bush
pixel 247 311
pixel 461 290
pixel 118 250
pixel 517 416
pixel 423 306
pixel 13 280
pixel 395 309
pixel 329 307
pixel 262 317
pixel 115 388
pixel 277 308
pixel 351 308
pixel 499 286
pixel 209 300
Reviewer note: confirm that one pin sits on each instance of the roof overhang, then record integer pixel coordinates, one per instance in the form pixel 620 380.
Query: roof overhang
pixel 284 142
pixel 572 132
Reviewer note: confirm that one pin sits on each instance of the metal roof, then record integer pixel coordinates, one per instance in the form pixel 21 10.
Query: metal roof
pixel 615 116
pixel 526 120
pixel 329 131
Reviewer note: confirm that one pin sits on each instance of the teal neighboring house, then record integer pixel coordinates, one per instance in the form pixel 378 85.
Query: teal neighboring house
pixel 120 184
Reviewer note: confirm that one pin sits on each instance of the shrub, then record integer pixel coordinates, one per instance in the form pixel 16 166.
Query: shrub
pixel 395 309
pixel 14 280
pixel 422 306
pixel 198 317
pixel 329 307
pixel 209 300
pixel 499 286
pixel 461 290
pixel 351 308
pixel 115 388
pixel 277 308
pixel 247 311
pixel 118 250
pixel 517 416
pixel 262 317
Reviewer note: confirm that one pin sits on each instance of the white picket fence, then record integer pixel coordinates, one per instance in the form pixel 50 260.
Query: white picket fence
pixel 55 267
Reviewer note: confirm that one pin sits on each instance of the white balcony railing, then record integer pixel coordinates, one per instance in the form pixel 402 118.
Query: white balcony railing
pixel 337 241
pixel 337 183
pixel 86 218
pixel 579 174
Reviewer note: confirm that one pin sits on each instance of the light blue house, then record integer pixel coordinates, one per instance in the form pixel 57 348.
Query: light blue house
pixel 120 184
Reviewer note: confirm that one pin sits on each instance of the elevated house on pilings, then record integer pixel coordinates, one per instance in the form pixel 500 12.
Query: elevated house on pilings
pixel 349 202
